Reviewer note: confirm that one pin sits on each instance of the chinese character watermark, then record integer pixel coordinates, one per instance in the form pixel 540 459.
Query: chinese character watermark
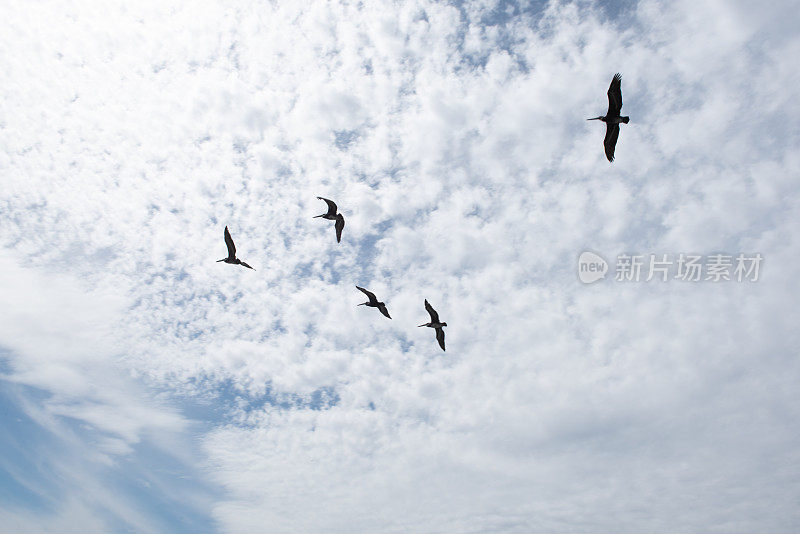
pixel 665 267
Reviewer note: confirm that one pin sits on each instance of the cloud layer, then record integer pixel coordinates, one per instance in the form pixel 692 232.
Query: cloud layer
pixel 453 138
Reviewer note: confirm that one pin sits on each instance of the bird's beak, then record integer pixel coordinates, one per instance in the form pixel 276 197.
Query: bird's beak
pixel 594 119
pixel 362 303
pixel 422 325
pixel 223 259
pixel 315 216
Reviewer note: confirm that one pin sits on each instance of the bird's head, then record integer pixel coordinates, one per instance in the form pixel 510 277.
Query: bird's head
pixel 444 324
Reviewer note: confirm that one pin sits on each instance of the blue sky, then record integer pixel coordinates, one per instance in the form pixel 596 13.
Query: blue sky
pixel 146 388
pixel 33 481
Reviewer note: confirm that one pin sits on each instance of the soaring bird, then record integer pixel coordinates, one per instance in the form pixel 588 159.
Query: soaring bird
pixel 435 323
pixel 232 252
pixel 612 118
pixel 332 215
pixel 373 302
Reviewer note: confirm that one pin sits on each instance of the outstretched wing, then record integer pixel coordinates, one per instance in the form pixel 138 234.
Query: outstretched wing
pixel 369 294
pixel 229 243
pixel 432 312
pixel 440 337
pixel 331 206
pixel 615 96
pixel 339 227
pixel 384 311
pixel 610 142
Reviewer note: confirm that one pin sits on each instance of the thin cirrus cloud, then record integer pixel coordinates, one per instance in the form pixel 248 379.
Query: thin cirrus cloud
pixel 78 428
pixel 453 138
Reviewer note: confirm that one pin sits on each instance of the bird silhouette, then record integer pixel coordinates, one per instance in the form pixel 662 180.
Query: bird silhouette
pixel 373 302
pixel 332 215
pixel 612 117
pixel 232 259
pixel 435 323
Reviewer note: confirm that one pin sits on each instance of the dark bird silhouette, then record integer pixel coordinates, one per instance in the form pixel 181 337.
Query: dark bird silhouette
pixel 373 302
pixel 232 252
pixel 435 323
pixel 332 215
pixel 612 118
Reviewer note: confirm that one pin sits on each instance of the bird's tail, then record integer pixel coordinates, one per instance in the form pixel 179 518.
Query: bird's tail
pixel 624 119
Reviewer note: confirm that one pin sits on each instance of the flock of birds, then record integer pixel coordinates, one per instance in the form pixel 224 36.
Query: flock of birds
pixel 612 119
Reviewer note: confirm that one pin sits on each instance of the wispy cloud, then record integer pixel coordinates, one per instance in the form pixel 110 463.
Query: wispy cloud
pixel 88 448
pixel 453 138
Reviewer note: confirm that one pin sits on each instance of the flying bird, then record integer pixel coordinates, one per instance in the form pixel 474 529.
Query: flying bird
pixel 332 215
pixel 232 252
pixel 612 118
pixel 373 302
pixel 435 323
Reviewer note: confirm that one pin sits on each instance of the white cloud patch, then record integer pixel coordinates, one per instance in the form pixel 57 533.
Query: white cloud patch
pixel 453 138
pixel 78 418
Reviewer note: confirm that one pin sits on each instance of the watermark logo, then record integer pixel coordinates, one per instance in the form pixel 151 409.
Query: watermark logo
pixel 591 267
pixel 664 267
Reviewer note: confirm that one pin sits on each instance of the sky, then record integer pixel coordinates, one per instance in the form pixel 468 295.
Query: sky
pixel 144 387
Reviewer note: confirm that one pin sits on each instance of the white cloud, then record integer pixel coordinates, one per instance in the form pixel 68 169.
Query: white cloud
pixel 458 150
pixel 92 416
